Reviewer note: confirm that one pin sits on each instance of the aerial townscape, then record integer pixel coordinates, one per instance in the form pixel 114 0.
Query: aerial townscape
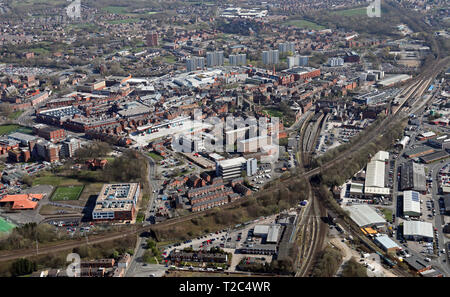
pixel 197 138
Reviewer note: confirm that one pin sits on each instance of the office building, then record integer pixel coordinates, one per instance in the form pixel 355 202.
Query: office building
pixel 214 58
pixel 271 57
pixel 230 168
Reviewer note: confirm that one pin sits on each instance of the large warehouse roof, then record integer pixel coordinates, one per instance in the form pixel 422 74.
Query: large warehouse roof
pixel 273 234
pixel 411 202
pixel 375 174
pixel 364 215
pixel 381 156
pixel 386 242
pixel 418 228
pixel 413 177
pixel 261 230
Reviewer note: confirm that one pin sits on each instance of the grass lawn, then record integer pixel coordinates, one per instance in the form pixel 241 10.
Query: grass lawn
pixel 273 113
pixel 67 193
pixel 155 156
pixel 352 12
pixel 50 179
pixel 90 189
pixel 170 59
pixel 304 24
pixel 387 214
pixel 125 21
pixel 115 9
pixel 15 115
pixel 7 129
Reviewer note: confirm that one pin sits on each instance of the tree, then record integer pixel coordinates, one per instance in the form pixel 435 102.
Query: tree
pixel 5 109
pixel 28 180
pixel 354 269
pixel 22 267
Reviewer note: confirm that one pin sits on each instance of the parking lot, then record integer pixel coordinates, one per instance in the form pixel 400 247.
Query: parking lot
pixel 229 240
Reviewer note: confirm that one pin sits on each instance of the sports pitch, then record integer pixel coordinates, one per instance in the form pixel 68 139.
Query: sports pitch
pixel 5 226
pixel 67 193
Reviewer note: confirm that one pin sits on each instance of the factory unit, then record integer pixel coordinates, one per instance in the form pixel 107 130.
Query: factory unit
pixel 412 177
pixel 364 216
pixel 374 184
pixel 417 230
pixel 411 204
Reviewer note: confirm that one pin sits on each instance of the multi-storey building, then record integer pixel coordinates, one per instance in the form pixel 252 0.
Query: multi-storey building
pixel 151 39
pixel 214 58
pixel 50 133
pixel 230 168
pixel 195 63
pixel 271 57
pixel 239 59
pixel 69 147
pixel 116 202
pixel 286 47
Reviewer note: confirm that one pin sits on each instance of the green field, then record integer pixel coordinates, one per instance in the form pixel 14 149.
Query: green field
pixel 170 59
pixel 5 226
pixel 387 214
pixel 125 21
pixel 14 115
pixel 115 9
pixel 155 156
pixel 67 193
pixel 50 179
pixel 7 129
pixel 273 113
pixel 352 12
pixel 304 24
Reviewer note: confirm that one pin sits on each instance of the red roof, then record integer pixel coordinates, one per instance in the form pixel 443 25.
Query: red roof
pixel 23 201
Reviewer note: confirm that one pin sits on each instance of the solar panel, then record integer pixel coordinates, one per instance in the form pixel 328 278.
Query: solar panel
pixel 415 196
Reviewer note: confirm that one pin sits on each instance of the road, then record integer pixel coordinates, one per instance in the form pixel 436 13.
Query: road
pixel 135 268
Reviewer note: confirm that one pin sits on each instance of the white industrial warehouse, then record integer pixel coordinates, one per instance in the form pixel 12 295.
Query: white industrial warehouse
pixel 411 203
pixel 270 232
pixel 365 216
pixel 375 175
pixel 417 230
pixel 386 243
